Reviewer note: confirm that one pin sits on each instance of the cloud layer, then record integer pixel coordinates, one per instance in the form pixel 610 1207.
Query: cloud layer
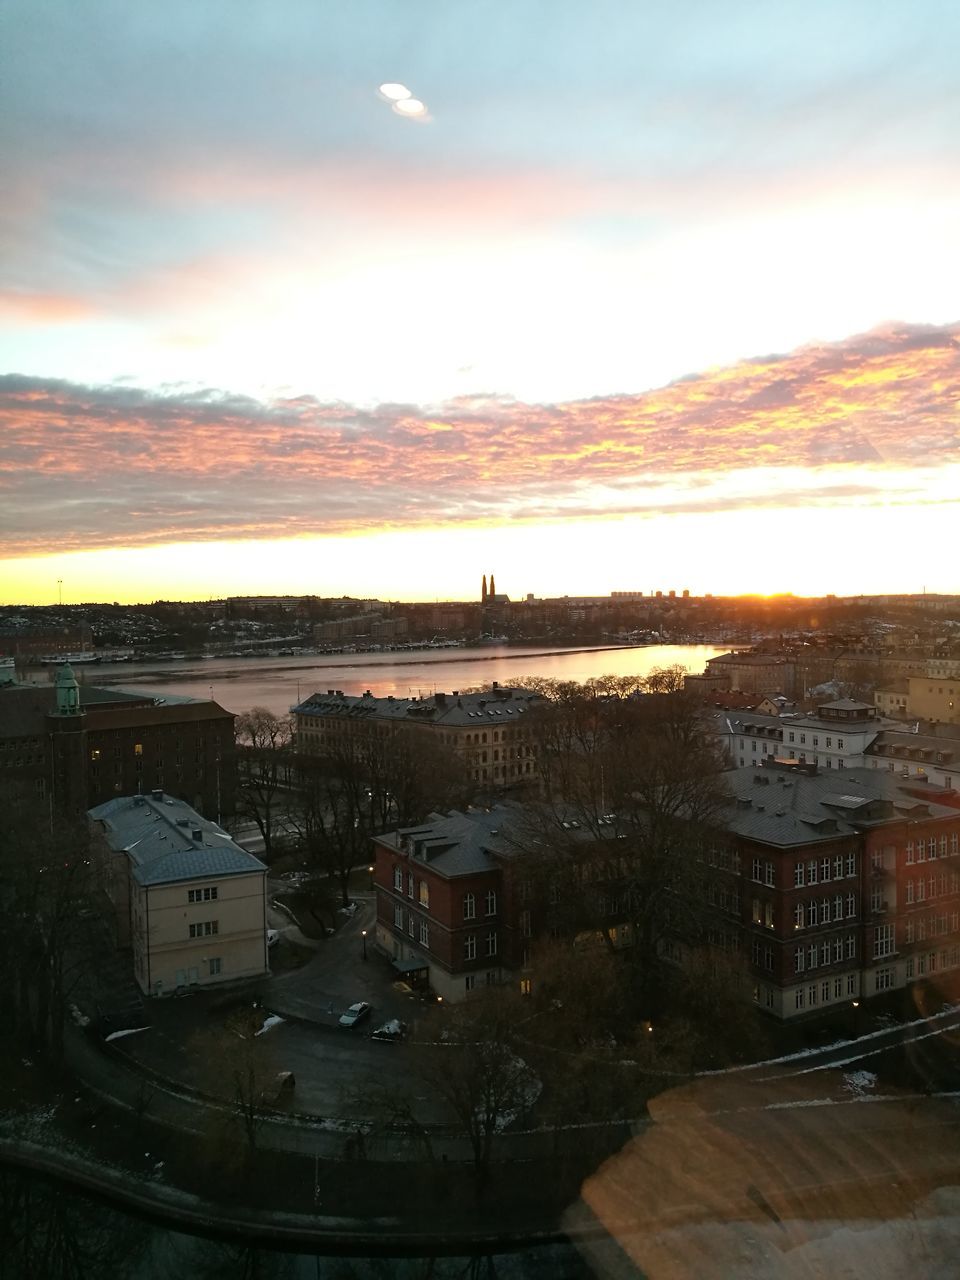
pixel 85 467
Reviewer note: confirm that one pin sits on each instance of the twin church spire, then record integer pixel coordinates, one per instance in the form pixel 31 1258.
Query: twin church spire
pixel 486 597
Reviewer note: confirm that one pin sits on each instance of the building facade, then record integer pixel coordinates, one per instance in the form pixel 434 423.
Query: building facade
pixel 77 745
pixel 487 732
pixel 184 897
pixel 832 888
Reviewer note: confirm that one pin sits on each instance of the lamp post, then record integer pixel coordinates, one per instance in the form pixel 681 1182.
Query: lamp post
pixel 363 938
pixel 370 873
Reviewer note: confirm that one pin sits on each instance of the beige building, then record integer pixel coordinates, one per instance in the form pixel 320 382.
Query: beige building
pixel 486 731
pixel 755 672
pixel 188 901
pixel 934 698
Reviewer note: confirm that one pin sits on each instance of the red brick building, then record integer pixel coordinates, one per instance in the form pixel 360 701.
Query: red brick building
pixel 78 746
pixel 833 888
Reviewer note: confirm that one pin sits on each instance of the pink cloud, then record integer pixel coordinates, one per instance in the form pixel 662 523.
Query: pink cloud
pixel 94 466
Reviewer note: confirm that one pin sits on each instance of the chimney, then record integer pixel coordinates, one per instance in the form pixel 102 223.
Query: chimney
pixel 198 835
pixel 440 699
pixel 156 793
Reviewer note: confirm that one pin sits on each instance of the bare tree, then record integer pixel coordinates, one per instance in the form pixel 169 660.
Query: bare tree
pixel 47 893
pixel 622 840
pixel 264 751
pixel 238 1066
pixel 479 1072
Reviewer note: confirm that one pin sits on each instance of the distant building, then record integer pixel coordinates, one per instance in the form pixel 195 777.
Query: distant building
pixel 486 731
pixel 755 672
pixel 185 897
pixel 78 745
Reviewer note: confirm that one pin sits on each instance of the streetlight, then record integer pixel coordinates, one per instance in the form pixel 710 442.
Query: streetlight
pixel 370 871
pixel 363 936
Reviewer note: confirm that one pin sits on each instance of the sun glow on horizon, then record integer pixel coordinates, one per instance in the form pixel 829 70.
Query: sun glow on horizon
pixel 586 556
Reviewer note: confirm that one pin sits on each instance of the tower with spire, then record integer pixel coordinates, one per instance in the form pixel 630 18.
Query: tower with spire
pixel 483 590
pixel 493 588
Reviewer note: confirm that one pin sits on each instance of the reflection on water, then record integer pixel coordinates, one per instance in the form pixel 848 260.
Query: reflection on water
pixel 278 683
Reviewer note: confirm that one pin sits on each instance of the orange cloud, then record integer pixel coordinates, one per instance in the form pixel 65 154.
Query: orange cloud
pixel 43 308
pixel 96 466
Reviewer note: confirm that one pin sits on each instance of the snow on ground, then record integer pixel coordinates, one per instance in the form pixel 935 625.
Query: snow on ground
pixel 859 1082
pixel 272 1021
pixel 131 1031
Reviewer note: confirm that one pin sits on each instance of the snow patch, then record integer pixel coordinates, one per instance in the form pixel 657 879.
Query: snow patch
pixel 272 1021
pixel 131 1031
pixel 859 1082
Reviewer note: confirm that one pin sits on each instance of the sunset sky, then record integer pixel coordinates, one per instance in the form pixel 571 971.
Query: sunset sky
pixel 642 296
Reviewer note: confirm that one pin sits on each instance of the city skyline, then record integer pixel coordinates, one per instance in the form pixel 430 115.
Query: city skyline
pixel 658 296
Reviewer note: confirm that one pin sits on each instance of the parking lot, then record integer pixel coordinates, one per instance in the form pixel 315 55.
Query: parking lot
pixel 334 1066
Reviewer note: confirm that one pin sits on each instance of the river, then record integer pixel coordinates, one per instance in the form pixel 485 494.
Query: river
pixel 278 683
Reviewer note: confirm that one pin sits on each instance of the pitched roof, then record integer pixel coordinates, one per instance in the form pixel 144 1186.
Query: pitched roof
pixel 167 841
pixel 497 706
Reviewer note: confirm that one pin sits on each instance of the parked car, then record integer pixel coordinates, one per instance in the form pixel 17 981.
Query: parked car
pixel 355 1014
pixel 391 1031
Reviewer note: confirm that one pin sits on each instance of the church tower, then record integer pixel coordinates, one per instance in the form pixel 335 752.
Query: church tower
pixel 493 587
pixel 483 591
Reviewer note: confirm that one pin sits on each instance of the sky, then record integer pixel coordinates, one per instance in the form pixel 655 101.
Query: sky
pixel 607 296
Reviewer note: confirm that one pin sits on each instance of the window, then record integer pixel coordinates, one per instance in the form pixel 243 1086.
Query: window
pixel 410 884
pixel 798 998
pixel 850 945
pixel 526 986
pixel 525 926
pixel 851 864
pixel 812 872
pixel 208 894
pixel 470 947
pixel 837 950
pixel 205 929
pixel 398 917
pixel 812 956
pixel 769 874
pixel 838 867
pixel 469 982
pixel 758 870
pixel 490 903
pixel 876 899
pixel 921 850
pixel 838 907
pixel 812 914
pixel 798 960
pixel 851 984
pixel 908 890
pixel 138 748
pixel 424 934
pixel 798 875
pixel 883 979
pixel 908 931
pixel 837 988
pixel 215 966
pixel 411 923
pixel 491 944
pixel 398 879
pixel 851 904
pixel 469 906
pixel 798 916
pixel 825 911
pixel 882 941
pixel 839 744
pixel 825 952
pixel 909 853
pixel 424 894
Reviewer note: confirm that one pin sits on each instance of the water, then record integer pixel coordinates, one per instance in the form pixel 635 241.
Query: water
pixel 278 683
